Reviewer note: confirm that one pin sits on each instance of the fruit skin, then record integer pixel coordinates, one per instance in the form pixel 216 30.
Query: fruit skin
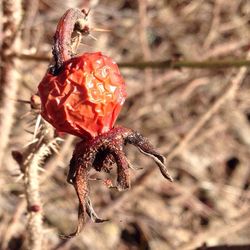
pixel 85 97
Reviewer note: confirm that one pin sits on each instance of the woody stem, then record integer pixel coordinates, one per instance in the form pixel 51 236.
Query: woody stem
pixel 72 21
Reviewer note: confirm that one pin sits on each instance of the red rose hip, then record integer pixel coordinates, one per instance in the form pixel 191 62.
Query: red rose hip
pixel 85 97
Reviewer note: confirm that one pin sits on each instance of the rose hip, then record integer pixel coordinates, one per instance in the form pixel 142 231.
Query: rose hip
pixel 85 97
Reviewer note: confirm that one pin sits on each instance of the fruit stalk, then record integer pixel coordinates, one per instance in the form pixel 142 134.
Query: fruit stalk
pixel 71 25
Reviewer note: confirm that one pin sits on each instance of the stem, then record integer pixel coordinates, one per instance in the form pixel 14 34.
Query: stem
pixel 211 64
pixel 72 21
pixel 30 161
pixel 185 64
pixel 32 188
pixel 9 69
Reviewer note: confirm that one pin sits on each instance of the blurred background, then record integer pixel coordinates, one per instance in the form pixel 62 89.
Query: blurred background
pixel 199 118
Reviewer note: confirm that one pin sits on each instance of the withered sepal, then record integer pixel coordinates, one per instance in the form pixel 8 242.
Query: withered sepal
pixel 101 153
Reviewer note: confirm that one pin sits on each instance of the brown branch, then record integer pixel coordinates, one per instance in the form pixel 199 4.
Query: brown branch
pixel 9 76
pixel 226 94
pixel 186 64
pixel 226 230
pixel 32 189
pixel 51 166
pixel 213 64
pixel 12 224
pixel 30 161
pixel 225 247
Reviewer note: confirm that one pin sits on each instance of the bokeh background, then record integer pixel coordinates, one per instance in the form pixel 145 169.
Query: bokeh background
pixel 198 118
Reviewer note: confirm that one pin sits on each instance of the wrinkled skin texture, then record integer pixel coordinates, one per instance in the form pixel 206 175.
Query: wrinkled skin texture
pixel 85 97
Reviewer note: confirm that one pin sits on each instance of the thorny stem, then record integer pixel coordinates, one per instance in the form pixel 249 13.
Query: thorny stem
pixel 71 25
pixel 30 160
pixel 31 180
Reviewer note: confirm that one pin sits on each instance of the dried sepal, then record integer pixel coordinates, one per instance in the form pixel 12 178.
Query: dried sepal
pixel 147 149
pixel 101 153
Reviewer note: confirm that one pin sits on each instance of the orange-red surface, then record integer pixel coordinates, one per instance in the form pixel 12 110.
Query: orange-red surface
pixel 85 98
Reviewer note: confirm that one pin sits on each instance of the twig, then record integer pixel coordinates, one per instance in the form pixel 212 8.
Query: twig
pixel 13 223
pixel 158 64
pixel 225 230
pixel 30 161
pixel 143 26
pixel 185 64
pixel 9 78
pixel 226 247
pixel 31 177
pixel 226 94
pixel 32 189
pixel 51 165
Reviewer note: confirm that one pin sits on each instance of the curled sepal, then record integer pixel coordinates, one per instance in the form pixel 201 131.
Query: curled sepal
pixel 147 149
pixel 101 153
pixel 92 214
pixel 78 176
pixel 123 175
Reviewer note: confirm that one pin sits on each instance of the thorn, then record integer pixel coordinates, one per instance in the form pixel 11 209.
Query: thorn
pixel 54 148
pixel 19 177
pixel 38 121
pixel 86 13
pixel 21 101
pixel 41 169
pixel 30 143
pixel 100 30
pixel 59 139
pixel 29 132
pixel 91 36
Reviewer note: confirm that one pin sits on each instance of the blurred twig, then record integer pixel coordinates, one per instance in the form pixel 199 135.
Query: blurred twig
pixel 143 27
pixel 225 247
pixel 12 11
pixel 13 223
pixel 229 92
pixel 158 64
pixel 186 64
pixel 239 223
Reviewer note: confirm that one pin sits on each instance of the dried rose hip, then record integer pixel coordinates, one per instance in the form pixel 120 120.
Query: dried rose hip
pixel 85 97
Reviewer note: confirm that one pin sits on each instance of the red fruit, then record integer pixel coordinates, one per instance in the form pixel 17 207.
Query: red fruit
pixel 85 97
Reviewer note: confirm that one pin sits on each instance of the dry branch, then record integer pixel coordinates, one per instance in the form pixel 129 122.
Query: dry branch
pixel 10 69
pixel 30 162
pixel 209 64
